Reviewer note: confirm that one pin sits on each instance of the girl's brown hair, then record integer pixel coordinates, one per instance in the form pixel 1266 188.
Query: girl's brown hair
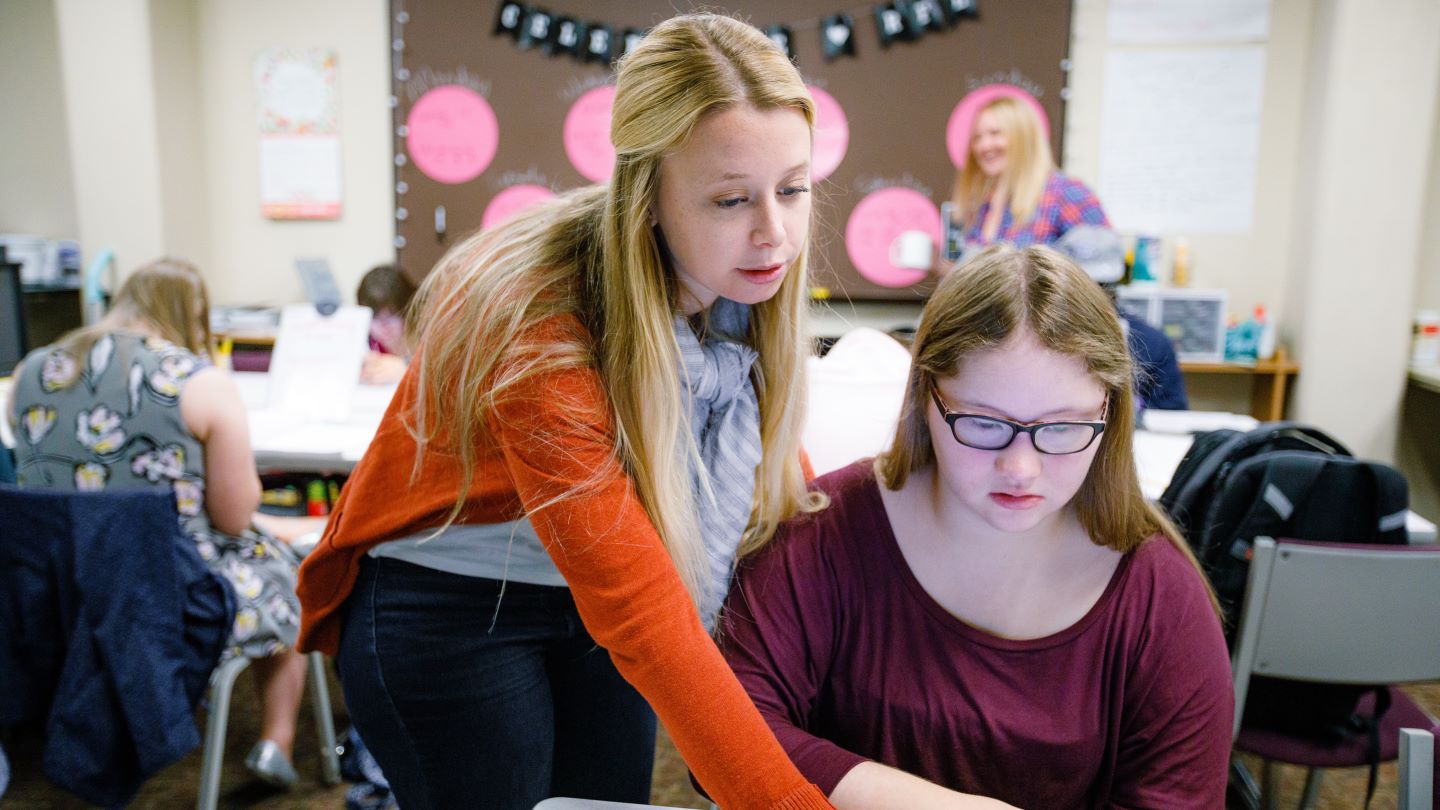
pixel 982 304
pixel 168 295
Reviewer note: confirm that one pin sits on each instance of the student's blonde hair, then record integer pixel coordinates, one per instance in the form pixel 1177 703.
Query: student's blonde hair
pixel 1028 163
pixel 168 295
pixel 593 254
pixel 982 304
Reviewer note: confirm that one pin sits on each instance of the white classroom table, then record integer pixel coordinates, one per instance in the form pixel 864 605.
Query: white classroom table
pixel 286 442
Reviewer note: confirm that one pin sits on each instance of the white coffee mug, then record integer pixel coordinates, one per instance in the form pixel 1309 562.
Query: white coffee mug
pixel 913 250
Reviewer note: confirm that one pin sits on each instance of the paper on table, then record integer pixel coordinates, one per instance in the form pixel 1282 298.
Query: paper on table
pixel 1157 455
pixel 316 366
pixel 1196 421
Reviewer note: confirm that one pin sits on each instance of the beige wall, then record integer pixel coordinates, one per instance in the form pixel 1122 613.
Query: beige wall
pixel 105 54
pixel 1427 281
pixel 37 194
pixel 251 258
pixel 1356 274
pixel 175 62
pixel 1248 265
pixel 147 141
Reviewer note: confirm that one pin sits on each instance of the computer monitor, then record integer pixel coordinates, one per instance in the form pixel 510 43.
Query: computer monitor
pixel 12 318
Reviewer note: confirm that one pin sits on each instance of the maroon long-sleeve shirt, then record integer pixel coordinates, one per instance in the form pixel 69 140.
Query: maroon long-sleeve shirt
pixel 850 660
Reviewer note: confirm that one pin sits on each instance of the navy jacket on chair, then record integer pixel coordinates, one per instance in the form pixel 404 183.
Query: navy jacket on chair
pixel 110 624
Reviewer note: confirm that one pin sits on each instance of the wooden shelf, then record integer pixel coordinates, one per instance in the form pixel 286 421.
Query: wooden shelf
pixel 1270 384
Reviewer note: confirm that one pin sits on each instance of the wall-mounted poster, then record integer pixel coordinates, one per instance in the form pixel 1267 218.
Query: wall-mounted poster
pixel 299 134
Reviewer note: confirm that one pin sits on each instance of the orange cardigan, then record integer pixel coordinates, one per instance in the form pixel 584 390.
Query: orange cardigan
pixel 555 430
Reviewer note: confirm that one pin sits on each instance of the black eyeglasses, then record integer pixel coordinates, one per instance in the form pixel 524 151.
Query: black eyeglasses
pixel 990 433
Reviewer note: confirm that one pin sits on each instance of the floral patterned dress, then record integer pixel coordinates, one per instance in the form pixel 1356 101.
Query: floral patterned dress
pixel 111 420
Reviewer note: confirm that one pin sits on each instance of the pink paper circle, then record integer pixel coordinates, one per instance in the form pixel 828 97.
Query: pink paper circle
pixel 452 134
pixel 874 224
pixel 832 135
pixel 512 201
pixel 957 132
pixel 587 134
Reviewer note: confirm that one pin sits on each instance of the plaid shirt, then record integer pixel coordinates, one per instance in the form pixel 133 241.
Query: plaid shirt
pixel 1065 203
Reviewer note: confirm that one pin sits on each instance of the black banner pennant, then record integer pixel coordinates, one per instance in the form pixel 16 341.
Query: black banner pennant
pixel 536 31
pixel 567 37
pixel 599 43
pixel 837 36
pixel 956 9
pixel 780 35
pixel 509 19
pixel 890 23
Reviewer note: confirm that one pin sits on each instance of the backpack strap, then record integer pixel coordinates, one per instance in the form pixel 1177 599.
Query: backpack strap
pixel 1287 476
pixel 1196 472
pixel 1392 499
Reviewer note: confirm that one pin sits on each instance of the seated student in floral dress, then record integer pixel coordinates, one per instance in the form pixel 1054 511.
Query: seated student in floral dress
pixel 133 402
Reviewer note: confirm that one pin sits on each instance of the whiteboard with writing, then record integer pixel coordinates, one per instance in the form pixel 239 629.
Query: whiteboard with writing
pixel 1174 21
pixel 316 365
pixel 1181 138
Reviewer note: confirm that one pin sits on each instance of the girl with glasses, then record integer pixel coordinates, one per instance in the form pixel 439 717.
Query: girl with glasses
pixel 604 410
pixel 992 607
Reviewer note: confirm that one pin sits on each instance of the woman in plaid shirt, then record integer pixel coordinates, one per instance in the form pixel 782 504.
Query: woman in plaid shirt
pixel 1009 189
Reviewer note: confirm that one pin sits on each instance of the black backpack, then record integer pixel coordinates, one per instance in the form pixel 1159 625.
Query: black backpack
pixel 1284 479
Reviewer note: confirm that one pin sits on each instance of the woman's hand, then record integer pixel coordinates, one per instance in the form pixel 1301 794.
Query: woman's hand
pixel 382 369
pixel 872 786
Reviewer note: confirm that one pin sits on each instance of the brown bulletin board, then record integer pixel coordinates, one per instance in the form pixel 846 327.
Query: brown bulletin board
pixel 897 100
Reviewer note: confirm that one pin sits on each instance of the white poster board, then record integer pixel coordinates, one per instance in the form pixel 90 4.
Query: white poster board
pixel 1181 138
pixel 315 368
pixel 1134 22
pixel 299 134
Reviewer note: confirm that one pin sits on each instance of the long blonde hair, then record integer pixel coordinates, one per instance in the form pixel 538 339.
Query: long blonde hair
pixel 592 254
pixel 168 295
pixel 978 306
pixel 1028 163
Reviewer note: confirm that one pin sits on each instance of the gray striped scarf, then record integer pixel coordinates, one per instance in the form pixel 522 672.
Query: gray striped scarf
pixel 725 420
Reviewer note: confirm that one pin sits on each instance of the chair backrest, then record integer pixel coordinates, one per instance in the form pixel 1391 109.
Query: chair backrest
pixel 1417 788
pixel 1339 614
pixel 109 627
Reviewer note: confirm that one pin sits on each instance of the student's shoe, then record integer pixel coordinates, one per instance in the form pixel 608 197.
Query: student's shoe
pixel 269 764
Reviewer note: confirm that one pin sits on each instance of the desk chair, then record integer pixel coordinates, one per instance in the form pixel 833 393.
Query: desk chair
pixel 222 683
pixel 1344 614
pixel 1418 789
pixel 110 624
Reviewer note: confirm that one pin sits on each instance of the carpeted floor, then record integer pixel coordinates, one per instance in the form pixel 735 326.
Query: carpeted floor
pixel 175 786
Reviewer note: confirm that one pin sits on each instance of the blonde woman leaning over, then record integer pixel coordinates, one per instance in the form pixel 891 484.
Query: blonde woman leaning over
pixel 604 410
pixel 992 607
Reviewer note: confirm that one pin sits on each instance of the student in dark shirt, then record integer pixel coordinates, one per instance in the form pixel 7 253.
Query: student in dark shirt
pixel 989 613
pixel 1159 384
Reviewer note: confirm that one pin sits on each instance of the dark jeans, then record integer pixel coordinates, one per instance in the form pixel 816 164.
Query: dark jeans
pixel 460 714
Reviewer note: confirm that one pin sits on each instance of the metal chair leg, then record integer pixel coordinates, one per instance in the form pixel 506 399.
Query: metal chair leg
pixel 222 682
pixel 1270 792
pixel 1312 788
pixel 324 720
pixel 1244 784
